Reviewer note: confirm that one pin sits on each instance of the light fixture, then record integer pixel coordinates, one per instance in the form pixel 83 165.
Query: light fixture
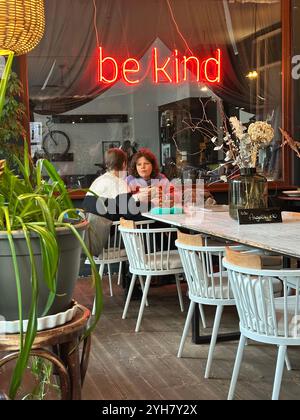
pixel 204 89
pixel 22 25
pixel 252 75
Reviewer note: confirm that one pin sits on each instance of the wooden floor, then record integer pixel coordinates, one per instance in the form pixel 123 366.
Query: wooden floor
pixel 125 365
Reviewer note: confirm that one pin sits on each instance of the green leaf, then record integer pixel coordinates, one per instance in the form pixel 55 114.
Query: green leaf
pixel 60 184
pixel 32 324
pixel 97 281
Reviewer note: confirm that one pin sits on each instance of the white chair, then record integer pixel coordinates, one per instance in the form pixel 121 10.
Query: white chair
pixel 264 317
pixel 149 254
pixel 204 285
pixel 114 253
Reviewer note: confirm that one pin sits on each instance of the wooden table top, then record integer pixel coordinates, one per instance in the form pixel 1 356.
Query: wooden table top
pixel 282 238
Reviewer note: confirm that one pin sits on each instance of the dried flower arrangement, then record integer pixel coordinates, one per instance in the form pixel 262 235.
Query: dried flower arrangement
pixel 241 147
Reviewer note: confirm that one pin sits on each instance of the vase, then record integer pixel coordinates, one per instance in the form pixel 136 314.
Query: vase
pixel 67 274
pixel 248 190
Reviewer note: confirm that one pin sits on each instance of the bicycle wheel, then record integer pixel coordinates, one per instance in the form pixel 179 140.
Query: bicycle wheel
pixel 56 142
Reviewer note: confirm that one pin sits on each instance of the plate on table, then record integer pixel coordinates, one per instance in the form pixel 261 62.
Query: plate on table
pixel 295 193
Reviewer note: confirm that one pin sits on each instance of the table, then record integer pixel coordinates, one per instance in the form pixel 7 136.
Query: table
pixel 289 203
pixel 282 238
pixel 64 342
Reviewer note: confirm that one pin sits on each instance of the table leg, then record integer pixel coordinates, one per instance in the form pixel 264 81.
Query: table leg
pixel 204 339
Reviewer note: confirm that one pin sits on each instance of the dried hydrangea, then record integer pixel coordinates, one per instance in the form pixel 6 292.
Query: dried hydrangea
pixel 241 147
pixel 261 132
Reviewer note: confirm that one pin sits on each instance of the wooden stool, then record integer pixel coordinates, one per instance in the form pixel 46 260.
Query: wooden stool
pixel 64 340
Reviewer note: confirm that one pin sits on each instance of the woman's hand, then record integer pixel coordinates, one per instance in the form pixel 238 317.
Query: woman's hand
pixel 144 195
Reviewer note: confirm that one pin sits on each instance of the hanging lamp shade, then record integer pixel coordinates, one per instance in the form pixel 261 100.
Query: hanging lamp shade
pixel 22 24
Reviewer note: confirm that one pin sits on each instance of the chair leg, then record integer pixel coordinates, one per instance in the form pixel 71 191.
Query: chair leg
pixel 287 362
pixel 110 280
pixel 142 307
pixel 202 315
pixel 237 366
pixel 101 270
pixel 179 291
pixel 120 273
pixel 213 340
pixel 279 372
pixel 142 287
pixel 129 296
pixel 186 328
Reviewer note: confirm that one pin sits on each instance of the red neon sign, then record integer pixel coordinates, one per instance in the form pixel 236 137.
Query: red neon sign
pixel 170 70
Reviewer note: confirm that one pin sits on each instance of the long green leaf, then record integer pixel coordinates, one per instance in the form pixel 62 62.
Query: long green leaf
pixel 32 324
pixel 5 76
pixel 25 171
pixel 60 184
pixel 44 208
pixel 96 279
pixel 50 254
pixel 17 272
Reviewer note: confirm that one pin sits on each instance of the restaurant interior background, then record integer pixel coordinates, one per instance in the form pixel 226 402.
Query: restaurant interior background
pixel 175 120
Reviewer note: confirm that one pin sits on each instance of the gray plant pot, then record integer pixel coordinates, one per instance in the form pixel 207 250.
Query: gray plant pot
pixel 70 250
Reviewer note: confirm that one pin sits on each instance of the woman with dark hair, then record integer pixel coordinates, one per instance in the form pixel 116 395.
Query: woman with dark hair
pixel 110 196
pixel 145 177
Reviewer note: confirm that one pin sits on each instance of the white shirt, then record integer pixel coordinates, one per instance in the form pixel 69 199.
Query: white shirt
pixel 109 186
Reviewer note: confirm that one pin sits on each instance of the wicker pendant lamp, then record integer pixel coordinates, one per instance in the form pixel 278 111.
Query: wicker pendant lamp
pixel 22 24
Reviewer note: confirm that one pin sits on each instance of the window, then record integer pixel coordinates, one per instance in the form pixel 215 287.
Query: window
pixel 174 69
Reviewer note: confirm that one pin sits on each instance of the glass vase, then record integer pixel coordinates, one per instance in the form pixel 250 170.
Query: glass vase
pixel 249 190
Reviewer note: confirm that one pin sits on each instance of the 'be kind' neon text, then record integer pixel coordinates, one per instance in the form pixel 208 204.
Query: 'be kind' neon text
pixel 172 69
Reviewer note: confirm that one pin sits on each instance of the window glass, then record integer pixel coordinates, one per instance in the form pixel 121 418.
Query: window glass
pixel 167 76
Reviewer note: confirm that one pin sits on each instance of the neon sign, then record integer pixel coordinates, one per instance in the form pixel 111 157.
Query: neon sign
pixel 170 70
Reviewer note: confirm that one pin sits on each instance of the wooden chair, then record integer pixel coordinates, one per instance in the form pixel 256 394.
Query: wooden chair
pixel 264 317
pixel 149 254
pixel 60 346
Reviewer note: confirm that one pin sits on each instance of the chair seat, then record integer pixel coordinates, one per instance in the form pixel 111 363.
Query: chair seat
pixel 162 264
pixel 293 320
pixel 267 309
pixel 111 254
pixel 219 291
pixel 291 301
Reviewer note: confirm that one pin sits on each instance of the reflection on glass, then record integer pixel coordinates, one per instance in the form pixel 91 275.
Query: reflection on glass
pixel 177 121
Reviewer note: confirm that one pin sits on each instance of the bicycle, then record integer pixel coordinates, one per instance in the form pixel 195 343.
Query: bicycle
pixel 55 142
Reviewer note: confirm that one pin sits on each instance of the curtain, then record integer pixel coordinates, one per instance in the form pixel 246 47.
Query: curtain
pixel 63 68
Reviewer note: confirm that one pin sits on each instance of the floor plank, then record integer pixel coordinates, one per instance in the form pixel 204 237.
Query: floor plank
pixel 143 366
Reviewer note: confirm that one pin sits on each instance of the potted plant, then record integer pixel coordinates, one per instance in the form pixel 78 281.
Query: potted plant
pixel 11 128
pixel 41 237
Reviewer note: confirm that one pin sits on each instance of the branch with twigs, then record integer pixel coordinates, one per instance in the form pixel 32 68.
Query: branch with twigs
pixel 288 140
